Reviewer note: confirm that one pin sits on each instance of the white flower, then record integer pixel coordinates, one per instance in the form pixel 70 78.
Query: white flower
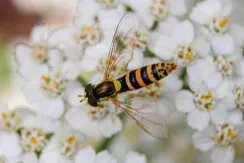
pixel 63 38
pixel 35 133
pixel 11 120
pixel 221 138
pixel 213 14
pixel 178 46
pixel 87 29
pixel 63 146
pixel 132 157
pixel 10 149
pixel 38 52
pixel 107 122
pixel 157 10
pixel 207 99
pixel 50 88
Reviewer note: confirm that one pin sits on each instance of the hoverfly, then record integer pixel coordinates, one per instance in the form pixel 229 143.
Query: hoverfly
pixel 120 54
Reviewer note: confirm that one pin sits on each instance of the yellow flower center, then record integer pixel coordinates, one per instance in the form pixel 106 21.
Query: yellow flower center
pixel 225 134
pixel 204 100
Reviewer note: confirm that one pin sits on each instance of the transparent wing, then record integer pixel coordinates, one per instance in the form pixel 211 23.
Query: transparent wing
pixel 122 47
pixel 144 116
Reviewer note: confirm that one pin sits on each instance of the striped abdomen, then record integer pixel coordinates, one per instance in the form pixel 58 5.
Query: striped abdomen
pixel 145 76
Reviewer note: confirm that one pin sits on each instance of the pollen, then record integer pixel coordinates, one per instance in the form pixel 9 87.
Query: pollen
pixel 209 95
pixel 88 29
pixel 189 56
pixel 223 22
pixel 44 78
pixel 71 139
pixel 231 133
pixel 34 141
pixel 4 116
pixel 68 149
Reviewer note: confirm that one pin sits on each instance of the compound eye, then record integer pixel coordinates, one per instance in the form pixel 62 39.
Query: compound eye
pixel 88 88
pixel 92 101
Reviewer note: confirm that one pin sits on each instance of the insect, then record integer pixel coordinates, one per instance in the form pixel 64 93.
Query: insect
pixel 120 54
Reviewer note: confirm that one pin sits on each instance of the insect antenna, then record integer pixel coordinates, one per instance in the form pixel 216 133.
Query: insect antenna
pixel 82 98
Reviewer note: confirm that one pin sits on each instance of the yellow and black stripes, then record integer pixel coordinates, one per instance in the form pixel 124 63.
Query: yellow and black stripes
pixel 145 76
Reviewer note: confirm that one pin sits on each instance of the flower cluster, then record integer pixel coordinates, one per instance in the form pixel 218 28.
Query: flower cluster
pixel 27 137
pixel 57 65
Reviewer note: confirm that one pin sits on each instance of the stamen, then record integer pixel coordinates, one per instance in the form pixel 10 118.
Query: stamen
pixel 223 22
pixel 34 141
pixel 89 29
pixel 4 116
pixel 71 139
pixel 189 56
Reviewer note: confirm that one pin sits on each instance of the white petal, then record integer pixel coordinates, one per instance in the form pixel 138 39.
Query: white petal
pixel 223 155
pixel 202 140
pixel 110 19
pixel 205 10
pixel 240 128
pixel 53 108
pixel 32 92
pixel 202 46
pixel 240 68
pixel 177 7
pixel 213 80
pixel 235 117
pixel 88 7
pixel 79 120
pixel 44 123
pixel 237 32
pixel 133 157
pixel 10 144
pixel 37 72
pixel 70 70
pixel 30 158
pixel 164 106
pixel 39 34
pixel 137 60
pixel 108 128
pixel 64 39
pixel 105 157
pixel 86 155
pixel 69 86
pixel 184 101
pixel 198 16
pixel 167 26
pixel 223 45
pixel 61 36
pixel 92 56
pixel 163 47
pixel 172 84
pixel 24 55
pixel 198 119
pixel 184 32
pixel 73 98
pixel 55 58
pixel 224 89
pixel 219 114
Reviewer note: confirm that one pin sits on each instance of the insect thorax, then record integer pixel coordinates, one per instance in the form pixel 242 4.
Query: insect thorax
pixel 105 89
